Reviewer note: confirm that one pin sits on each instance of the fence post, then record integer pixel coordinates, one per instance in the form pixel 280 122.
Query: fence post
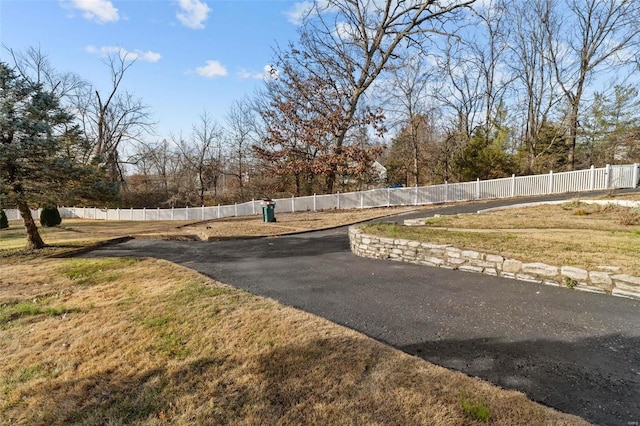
pixel 314 201
pixel 415 197
pixel 172 216
pixel 361 200
pixel 550 191
pixel 202 211
pixel 131 213
pixel 388 197
pixel 446 191
pixel 636 170
pixel 218 210
pixel 235 209
pixel 157 213
pixel 477 188
pixel 187 212
pixel 607 175
pixel 253 206
pixel 144 213
pixel 513 185
pixel 118 210
pixel 592 178
pixel 338 207
pixel 293 205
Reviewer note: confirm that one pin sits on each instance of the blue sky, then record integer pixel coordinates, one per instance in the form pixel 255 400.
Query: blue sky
pixel 192 54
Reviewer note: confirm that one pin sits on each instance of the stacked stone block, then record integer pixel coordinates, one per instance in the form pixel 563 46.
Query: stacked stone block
pixel 607 279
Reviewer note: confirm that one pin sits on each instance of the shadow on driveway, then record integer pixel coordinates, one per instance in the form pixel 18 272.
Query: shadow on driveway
pixel 570 368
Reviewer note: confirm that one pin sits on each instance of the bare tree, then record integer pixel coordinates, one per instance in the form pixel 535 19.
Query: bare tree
pixel 407 96
pixel 114 117
pixel 353 40
pixel 459 90
pixel 488 48
pixel 34 65
pixel 242 132
pixel 586 37
pixel 202 153
pixel 535 83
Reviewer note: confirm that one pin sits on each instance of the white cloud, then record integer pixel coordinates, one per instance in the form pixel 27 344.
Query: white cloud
pixel 133 55
pixel 245 74
pixel 268 73
pixel 101 11
pixel 212 69
pixel 298 12
pixel 301 9
pixel 193 13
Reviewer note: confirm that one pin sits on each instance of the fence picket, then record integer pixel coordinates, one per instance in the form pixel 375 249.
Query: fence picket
pixel 609 177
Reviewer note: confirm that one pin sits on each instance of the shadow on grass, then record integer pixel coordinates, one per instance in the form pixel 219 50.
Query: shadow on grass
pixel 324 381
pixel 112 397
pixel 336 380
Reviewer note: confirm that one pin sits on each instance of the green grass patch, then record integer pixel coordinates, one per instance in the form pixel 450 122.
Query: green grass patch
pixel 441 221
pixel 159 321
pixel 197 290
pixel 174 345
pixel 95 271
pixel 26 374
pixel 14 311
pixel 477 411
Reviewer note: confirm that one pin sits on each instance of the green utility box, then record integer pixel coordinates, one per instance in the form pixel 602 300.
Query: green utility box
pixel 268 210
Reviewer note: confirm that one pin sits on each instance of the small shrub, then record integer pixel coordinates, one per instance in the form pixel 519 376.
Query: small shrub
pixel 570 282
pixel 50 216
pixel 608 208
pixel 580 212
pixel 476 411
pixel 570 205
pixel 4 222
pixel 629 216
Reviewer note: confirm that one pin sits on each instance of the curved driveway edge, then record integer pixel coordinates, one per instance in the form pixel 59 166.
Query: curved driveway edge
pixel 577 352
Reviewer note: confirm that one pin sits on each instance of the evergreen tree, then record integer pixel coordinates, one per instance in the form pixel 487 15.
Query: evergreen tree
pixel 610 126
pixel 33 127
pixel 4 222
pixel 486 154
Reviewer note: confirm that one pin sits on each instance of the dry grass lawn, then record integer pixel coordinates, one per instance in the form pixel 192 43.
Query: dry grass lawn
pixel 126 342
pixel 576 234
pixel 77 233
pixel 287 223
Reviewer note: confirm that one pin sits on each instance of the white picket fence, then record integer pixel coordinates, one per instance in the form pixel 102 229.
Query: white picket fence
pixel 592 179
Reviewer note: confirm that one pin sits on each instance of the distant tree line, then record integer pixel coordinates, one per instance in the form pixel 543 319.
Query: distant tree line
pixel 434 91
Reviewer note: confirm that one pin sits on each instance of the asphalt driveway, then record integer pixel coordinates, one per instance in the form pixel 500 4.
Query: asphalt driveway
pixel 574 351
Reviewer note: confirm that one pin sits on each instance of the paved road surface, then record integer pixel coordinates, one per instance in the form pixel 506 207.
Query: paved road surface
pixel 574 351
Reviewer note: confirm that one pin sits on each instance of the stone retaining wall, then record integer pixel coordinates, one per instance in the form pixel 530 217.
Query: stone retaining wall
pixel 607 279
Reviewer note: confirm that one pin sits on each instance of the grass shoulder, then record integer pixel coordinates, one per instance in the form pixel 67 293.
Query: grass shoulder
pixel 573 234
pixel 143 341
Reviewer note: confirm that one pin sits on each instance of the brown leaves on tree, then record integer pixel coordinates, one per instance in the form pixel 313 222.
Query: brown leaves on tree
pixel 304 115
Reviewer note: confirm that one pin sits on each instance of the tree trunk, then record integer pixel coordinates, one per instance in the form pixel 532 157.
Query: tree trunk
pixel 33 236
pixel 573 133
